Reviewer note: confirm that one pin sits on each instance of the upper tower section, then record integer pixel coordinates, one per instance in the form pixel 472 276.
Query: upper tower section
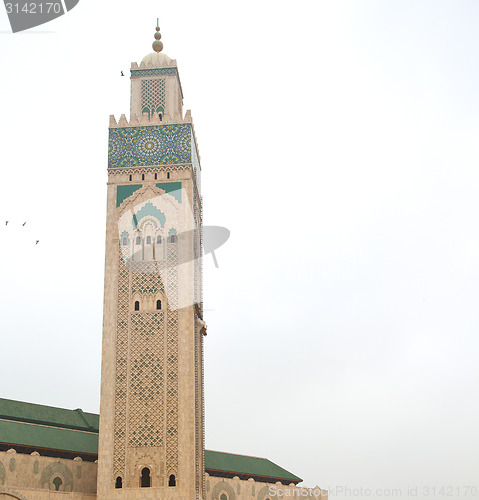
pixel 155 85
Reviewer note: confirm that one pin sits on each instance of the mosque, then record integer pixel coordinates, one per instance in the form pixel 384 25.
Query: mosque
pixel 148 441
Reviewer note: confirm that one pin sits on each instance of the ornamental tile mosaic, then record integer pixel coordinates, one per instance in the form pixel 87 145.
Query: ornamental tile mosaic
pixel 153 96
pixel 137 73
pixel 150 145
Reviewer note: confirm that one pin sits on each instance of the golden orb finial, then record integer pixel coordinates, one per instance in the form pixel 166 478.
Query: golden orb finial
pixel 157 45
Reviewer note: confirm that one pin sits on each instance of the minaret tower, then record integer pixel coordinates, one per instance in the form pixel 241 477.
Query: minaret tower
pixel 151 415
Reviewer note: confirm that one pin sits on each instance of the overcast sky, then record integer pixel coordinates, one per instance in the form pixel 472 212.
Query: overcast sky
pixel 339 144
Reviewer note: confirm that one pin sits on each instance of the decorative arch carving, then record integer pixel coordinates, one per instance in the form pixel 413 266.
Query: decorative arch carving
pixel 9 494
pixel 223 487
pixel 57 469
pixel 263 493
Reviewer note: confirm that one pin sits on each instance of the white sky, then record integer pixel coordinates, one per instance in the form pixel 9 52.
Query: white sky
pixel 339 145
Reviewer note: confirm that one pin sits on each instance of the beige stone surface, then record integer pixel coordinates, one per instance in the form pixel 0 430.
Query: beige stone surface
pixel 36 474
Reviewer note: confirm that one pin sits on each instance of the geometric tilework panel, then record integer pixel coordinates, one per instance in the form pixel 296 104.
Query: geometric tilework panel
pixel 123 192
pixel 153 96
pixel 149 145
pixel 137 73
pixel 171 187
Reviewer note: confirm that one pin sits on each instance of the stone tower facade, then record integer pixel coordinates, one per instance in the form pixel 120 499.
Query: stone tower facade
pixel 151 443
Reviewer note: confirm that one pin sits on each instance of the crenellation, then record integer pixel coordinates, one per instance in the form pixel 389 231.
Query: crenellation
pixel 123 122
pixel 145 120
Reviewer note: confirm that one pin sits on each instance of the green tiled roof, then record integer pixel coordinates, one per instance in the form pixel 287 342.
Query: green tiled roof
pixel 48 415
pixel 242 464
pixel 53 438
pixel 38 426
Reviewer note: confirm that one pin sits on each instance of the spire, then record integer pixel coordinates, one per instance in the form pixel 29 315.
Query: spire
pixel 157 45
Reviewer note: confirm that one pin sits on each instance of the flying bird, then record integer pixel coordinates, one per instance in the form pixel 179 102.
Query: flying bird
pixel 6 222
pixel 122 74
pixel 23 223
pixel 36 243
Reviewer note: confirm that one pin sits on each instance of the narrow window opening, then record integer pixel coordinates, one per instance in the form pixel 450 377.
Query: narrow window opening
pixel 138 240
pixel 158 239
pixel 119 483
pixel 145 480
pixel 223 497
pixel 57 482
pixel 156 177
pixel 173 238
pixel 124 241
pixel 167 175
pixel 172 481
pixel 158 304
pixel 142 177
pixel 161 116
pixel 130 177
pixel 137 305
pixel 148 240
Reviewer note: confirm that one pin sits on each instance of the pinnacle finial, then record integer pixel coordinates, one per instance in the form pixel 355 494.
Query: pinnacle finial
pixel 157 45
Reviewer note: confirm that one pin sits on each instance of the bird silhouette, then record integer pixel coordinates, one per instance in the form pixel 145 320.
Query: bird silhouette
pixel 6 222
pixel 36 243
pixel 122 74
pixel 23 223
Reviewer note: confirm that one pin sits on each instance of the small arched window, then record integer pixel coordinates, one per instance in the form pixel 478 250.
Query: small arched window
pixel 168 175
pixel 158 304
pixel 142 177
pixel 172 481
pixel 158 239
pixel 161 116
pixel 130 177
pixel 156 177
pixel 145 479
pixel 137 305
pixel 223 497
pixel 119 483
pixel 124 242
pixel 148 240
pixel 57 482
pixel 173 238
pixel 138 240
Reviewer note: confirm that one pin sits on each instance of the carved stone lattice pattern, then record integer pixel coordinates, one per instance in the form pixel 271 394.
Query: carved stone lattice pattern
pixel 146 387
pixel 172 363
pixel 145 279
pixel 2 473
pixel 121 368
pixel 153 96
pixel 140 365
